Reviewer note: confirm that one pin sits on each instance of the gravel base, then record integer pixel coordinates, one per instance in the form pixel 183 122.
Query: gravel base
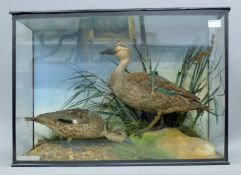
pixel 54 151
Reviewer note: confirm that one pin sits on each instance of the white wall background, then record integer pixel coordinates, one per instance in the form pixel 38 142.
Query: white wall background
pixel 5 84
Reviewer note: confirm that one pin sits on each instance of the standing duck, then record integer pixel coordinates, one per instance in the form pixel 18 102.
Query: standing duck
pixel 136 90
pixel 78 124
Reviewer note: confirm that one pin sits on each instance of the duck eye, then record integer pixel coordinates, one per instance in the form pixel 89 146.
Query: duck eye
pixel 123 45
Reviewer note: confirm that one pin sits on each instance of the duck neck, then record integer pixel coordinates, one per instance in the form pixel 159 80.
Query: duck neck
pixel 122 66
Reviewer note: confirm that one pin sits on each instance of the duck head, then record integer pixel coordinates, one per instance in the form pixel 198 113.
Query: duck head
pixel 52 119
pixel 118 136
pixel 48 119
pixel 120 50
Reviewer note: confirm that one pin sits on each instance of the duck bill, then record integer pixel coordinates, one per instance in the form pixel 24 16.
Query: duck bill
pixel 128 141
pixel 109 51
pixel 30 119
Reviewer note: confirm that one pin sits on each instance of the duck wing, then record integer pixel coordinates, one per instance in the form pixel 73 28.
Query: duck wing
pixel 74 116
pixel 160 84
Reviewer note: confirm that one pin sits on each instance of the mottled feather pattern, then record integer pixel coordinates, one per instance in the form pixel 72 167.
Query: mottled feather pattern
pixel 88 125
pixel 149 92
pixel 135 90
pixel 144 80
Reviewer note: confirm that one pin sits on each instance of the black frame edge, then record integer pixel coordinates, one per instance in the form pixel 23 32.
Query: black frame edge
pixel 16 163
pixel 117 10
pixel 14 88
pixel 226 42
pixel 190 162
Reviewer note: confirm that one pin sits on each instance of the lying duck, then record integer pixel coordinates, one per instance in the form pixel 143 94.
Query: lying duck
pixel 135 90
pixel 78 124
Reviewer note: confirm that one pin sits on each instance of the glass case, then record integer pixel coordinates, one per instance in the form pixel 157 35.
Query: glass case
pixel 120 87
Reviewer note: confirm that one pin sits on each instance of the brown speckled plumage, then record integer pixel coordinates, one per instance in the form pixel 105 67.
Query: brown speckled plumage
pixel 136 90
pixel 84 124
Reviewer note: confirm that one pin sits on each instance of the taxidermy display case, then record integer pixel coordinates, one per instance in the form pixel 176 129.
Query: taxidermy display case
pixel 120 87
